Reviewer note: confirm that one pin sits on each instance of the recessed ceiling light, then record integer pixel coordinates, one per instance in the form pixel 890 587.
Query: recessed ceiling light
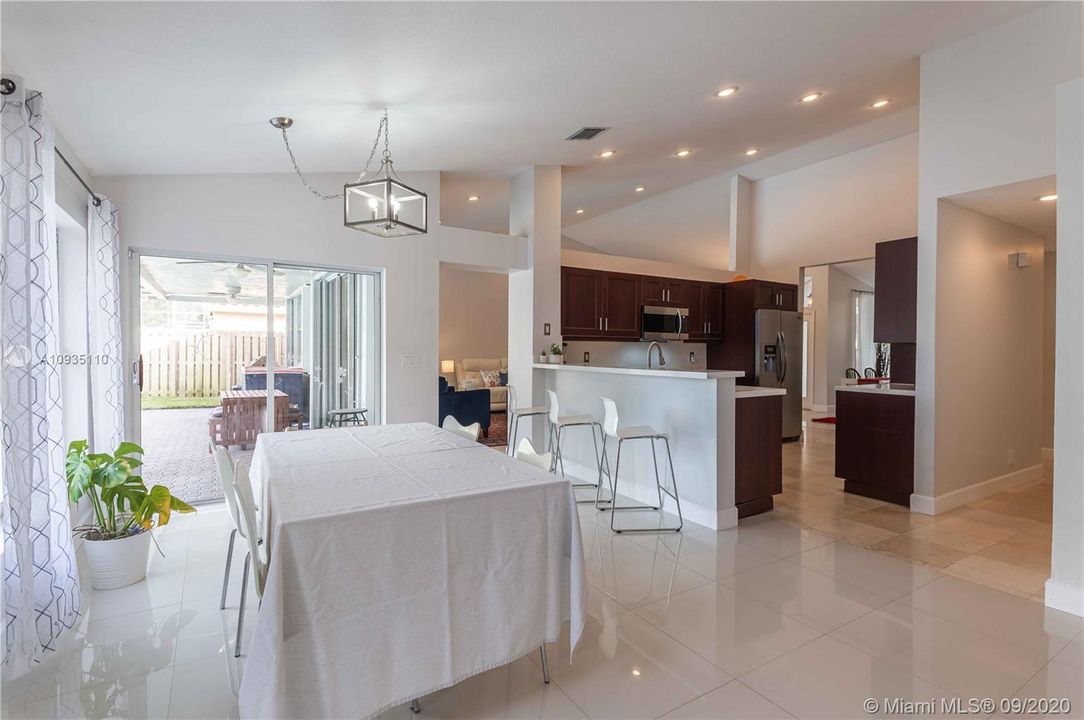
pixel 682 153
pixel 607 154
pixel 472 198
pixel 811 97
pixel 727 91
pixel 579 211
pixel 880 103
pixel 636 673
pixel 752 151
pixel 640 189
pixel 1050 197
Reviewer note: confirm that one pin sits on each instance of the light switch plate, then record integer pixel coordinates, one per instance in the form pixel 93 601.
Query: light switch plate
pixel 409 360
pixel 546 329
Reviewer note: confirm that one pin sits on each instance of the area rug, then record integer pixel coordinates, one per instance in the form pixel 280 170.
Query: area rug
pixel 831 420
pixel 498 431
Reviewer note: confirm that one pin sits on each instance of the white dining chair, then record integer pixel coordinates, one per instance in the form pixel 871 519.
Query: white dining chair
pixel 526 452
pixel 471 431
pixel 254 559
pixel 515 413
pixel 226 468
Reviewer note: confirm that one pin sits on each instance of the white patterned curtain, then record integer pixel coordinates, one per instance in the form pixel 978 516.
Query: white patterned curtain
pixel 41 581
pixel 103 301
pixel 865 350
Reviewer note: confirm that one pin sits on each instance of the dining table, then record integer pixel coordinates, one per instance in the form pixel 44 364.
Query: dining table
pixel 403 559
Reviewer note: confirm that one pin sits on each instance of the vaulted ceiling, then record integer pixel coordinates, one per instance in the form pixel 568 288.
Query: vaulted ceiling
pixel 488 88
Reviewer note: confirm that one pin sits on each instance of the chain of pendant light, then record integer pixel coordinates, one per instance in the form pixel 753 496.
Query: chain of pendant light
pixel 382 129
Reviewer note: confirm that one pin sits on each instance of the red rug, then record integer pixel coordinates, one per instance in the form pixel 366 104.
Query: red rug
pixel 498 430
pixel 831 420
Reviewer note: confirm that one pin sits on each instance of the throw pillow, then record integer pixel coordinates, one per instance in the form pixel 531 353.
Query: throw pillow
pixel 491 378
pixel 467 384
pixel 504 377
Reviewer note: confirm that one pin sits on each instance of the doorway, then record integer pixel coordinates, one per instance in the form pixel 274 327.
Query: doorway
pixel 229 349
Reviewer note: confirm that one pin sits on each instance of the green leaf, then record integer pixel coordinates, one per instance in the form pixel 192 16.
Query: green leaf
pixel 114 474
pixel 128 448
pixel 160 503
pixel 77 446
pixel 178 505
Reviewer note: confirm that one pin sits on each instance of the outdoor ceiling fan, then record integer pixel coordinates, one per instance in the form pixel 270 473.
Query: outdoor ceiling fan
pixel 237 268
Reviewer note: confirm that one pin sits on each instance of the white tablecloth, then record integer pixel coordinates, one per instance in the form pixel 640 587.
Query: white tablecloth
pixel 404 559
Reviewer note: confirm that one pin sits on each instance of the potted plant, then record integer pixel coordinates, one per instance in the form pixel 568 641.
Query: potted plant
pixel 118 543
pixel 557 354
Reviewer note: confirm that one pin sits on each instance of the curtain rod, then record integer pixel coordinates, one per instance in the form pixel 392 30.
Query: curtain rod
pixel 7 87
pixel 97 200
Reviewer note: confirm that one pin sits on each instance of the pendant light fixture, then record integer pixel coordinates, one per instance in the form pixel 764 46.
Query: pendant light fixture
pixel 377 202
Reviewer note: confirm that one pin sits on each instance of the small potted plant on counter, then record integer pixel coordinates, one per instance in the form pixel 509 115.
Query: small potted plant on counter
pixel 557 355
pixel 118 543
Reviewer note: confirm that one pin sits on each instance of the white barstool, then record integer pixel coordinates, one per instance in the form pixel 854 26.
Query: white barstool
pixel 612 429
pixel 514 414
pixel 559 422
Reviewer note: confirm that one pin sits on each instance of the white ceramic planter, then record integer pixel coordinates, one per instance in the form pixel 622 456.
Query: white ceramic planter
pixel 118 563
pixel 556 359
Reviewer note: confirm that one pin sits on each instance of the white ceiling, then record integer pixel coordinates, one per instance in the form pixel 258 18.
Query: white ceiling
pixel 864 271
pixel 1017 205
pixel 187 87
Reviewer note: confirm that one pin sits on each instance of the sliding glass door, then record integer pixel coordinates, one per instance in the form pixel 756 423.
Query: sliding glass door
pixel 230 349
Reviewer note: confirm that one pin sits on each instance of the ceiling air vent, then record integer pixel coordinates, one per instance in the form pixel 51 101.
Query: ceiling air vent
pixel 587 133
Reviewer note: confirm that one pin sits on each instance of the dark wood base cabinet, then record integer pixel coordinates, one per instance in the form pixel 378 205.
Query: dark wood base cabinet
pixel 758 446
pixel 875 445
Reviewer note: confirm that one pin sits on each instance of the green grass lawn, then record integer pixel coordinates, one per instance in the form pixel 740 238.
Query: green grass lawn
pixel 162 403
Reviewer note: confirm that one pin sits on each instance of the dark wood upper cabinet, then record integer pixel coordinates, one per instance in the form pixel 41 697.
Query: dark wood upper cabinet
pixel 607 305
pixel 620 306
pixel 741 300
pixel 581 302
pixel 713 299
pixel 896 284
pixel 662 291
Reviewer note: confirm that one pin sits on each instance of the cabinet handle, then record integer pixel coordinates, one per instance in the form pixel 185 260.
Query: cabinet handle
pixel 600 324
pixel 607 324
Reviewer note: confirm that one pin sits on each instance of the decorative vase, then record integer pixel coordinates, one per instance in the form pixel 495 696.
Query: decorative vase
pixel 118 563
pixel 556 359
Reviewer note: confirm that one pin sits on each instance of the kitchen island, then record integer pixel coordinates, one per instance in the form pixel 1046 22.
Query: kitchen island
pixel 698 410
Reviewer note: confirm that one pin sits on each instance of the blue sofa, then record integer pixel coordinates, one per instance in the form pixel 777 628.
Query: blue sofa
pixel 466 406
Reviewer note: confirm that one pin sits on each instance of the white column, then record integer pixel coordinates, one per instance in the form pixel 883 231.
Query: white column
pixel 1065 588
pixel 534 294
pixel 741 223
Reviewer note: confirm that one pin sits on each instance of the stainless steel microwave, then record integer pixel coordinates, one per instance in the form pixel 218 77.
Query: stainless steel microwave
pixel 664 323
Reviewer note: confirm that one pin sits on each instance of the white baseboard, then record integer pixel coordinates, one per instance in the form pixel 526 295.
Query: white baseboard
pixel 943 503
pixel 1046 456
pixel 824 408
pixel 690 511
pixel 1064 597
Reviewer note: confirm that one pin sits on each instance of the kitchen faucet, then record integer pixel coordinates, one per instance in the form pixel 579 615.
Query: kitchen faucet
pixel 662 358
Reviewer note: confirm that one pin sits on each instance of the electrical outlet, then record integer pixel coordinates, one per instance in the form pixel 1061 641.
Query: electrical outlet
pixel 586 357
pixel 546 329
pixel 692 358
pixel 409 360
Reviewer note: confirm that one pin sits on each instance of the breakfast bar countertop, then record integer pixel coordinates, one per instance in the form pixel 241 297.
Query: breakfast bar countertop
pixel 658 372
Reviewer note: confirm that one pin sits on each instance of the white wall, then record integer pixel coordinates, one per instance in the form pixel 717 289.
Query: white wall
pixel 818 374
pixel 473 314
pixel 1065 589
pixel 989 399
pixel 834 210
pixel 271 217
pixel 640 266
pixel 1050 284
pixel 987 118
pixel 841 326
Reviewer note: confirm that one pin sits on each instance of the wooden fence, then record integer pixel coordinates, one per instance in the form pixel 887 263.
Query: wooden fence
pixel 198 363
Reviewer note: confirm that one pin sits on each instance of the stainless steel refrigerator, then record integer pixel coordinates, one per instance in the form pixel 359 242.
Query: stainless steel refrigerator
pixel 779 362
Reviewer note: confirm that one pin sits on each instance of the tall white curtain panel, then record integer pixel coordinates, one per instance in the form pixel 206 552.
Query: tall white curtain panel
pixel 41 582
pixel 103 307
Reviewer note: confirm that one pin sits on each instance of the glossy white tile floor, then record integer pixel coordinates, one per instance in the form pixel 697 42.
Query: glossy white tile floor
pixel 764 621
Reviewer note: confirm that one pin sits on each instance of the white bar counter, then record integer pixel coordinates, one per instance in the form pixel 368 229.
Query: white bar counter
pixel 695 408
